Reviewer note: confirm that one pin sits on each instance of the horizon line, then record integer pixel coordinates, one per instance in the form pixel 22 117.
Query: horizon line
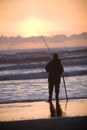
pixel 56 34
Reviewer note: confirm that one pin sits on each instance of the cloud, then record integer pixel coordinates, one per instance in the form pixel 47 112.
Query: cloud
pixel 37 39
pixel 80 36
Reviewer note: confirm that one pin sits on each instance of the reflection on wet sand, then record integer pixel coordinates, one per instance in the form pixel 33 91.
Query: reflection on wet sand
pixel 43 109
pixel 55 110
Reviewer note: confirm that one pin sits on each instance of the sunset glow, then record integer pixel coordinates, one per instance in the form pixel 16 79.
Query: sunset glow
pixel 21 17
pixel 50 17
pixel 30 27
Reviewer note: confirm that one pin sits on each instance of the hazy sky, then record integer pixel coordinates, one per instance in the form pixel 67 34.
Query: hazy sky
pixel 24 17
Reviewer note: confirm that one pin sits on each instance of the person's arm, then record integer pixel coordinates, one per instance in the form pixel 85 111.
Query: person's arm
pixel 61 68
pixel 48 67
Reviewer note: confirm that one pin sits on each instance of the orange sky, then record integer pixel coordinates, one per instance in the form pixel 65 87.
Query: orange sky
pixel 23 17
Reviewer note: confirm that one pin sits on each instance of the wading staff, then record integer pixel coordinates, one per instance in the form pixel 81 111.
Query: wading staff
pixel 65 88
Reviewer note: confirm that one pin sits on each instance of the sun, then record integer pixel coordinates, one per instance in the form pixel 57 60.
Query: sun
pixel 30 27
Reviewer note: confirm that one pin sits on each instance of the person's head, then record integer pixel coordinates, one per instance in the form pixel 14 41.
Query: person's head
pixel 55 56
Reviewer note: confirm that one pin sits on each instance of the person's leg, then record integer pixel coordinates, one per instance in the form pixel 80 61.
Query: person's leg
pixel 50 90
pixel 57 86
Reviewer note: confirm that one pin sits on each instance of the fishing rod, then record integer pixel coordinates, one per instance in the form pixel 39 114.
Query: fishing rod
pixel 52 55
pixel 42 37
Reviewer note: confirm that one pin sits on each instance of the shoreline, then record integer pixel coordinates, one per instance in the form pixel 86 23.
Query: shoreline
pixel 42 100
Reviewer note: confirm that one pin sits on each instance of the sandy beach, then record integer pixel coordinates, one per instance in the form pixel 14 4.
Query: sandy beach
pixel 66 123
pixel 43 115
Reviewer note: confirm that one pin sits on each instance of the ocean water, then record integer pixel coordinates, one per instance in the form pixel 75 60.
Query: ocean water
pixel 23 77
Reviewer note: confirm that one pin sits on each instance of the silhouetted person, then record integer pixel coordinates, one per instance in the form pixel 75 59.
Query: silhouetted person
pixel 55 69
pixel 55 111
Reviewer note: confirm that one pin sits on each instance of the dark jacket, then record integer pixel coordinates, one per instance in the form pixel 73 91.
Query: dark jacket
pixel 55 69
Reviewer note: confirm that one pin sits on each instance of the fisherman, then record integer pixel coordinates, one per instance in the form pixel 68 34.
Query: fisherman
pixel 54 68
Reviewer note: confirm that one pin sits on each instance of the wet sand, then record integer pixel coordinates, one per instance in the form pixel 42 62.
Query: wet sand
pixel 43 115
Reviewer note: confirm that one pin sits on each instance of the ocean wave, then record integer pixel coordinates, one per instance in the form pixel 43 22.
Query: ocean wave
pixel 39 75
